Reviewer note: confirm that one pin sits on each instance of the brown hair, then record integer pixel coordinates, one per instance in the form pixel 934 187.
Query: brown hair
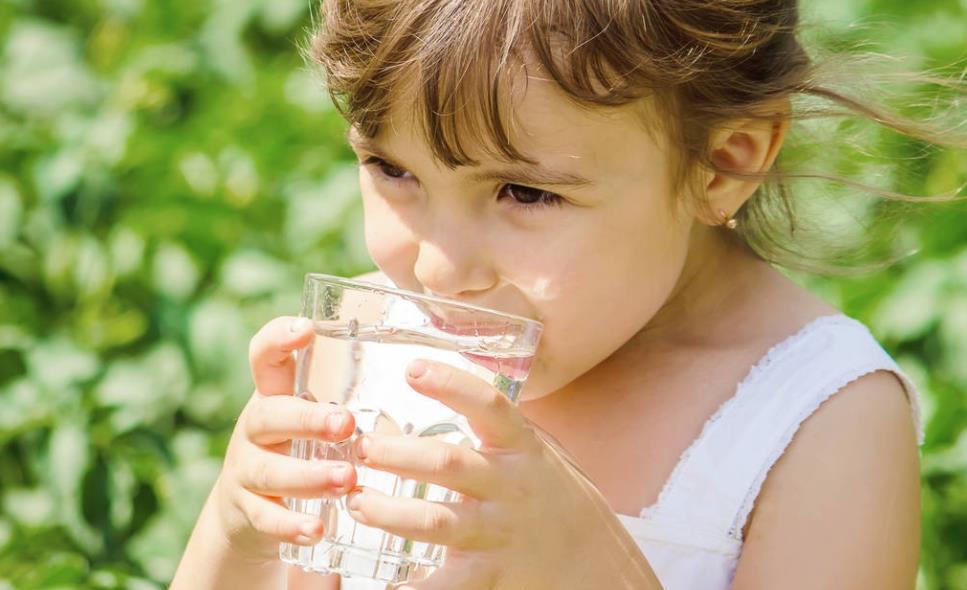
pixel 706 62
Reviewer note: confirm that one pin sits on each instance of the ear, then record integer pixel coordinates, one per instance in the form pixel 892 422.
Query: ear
pixel 742 147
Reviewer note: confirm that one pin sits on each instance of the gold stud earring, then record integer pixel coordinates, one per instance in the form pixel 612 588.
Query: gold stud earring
pixel 727 220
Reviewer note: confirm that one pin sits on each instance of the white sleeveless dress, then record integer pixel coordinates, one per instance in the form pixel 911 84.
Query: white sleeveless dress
pixel 692 536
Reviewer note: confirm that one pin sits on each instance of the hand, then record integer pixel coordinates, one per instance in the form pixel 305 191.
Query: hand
pixel 527 518
pixel 258 471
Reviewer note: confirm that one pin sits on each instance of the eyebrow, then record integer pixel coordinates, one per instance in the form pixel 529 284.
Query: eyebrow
pixel 528 174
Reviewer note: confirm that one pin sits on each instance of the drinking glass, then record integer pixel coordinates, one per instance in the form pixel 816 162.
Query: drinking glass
pixel 366 335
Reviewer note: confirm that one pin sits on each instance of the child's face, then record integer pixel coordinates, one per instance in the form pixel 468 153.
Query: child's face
pixel 595 267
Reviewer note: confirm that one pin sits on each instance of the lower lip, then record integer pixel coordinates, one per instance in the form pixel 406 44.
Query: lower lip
pixel 512 368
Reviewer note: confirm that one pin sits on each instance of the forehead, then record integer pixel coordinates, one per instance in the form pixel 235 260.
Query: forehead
pixel 543 123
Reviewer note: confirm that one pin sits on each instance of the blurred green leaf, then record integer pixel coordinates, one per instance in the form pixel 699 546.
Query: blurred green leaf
pixel 914 304
pixel 175 272
pixel 31 507
pixel 58 174
pixel 11 212
pixel 67 461
pixel 317 209
pixel 218 340
pixel 249 273
pixel 42 73
pixel 127 251
pixel 58 363
pixel 144 390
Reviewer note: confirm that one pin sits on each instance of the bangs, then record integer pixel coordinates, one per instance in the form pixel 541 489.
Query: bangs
pixel 462 63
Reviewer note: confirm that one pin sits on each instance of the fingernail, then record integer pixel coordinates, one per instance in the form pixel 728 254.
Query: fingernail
pixel 362 447
pixel 340 475
pixel 353 500
pixel 336 421
pixel 299 325
pixel 417 369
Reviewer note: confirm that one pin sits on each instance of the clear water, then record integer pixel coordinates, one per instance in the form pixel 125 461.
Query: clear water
pixel 362 367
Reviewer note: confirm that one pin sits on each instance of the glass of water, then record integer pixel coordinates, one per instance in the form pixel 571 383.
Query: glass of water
pixel 366 335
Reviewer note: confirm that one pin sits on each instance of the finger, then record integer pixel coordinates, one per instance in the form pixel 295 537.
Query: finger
pixel 279 418
pixel 275 520
pixel 491 415
pixel 456 467
pixel 270 353
pixel 281 476
pixel 455 524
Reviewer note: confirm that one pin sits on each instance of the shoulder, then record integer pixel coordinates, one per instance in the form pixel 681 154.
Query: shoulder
pixel 841 507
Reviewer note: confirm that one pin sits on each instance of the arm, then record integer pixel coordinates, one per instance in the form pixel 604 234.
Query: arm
pixel 235 544
pixel 841 508
pixel 209 561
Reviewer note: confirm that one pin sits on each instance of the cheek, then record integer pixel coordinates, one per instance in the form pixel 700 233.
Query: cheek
pixel 388 239
pixel 615 280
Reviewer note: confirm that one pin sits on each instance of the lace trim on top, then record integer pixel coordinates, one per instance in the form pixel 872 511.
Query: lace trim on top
pixel 826 391
pixel 775 352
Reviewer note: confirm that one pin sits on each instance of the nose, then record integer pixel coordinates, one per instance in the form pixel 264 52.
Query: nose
pixel 453 269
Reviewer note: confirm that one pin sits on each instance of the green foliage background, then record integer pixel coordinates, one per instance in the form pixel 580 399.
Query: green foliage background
pixel 170 169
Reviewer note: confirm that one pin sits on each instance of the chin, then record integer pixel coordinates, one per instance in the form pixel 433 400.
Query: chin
pixel 539 384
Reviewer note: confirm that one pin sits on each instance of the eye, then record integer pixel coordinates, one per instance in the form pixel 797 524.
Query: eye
pixel 385 168
pixel 525 197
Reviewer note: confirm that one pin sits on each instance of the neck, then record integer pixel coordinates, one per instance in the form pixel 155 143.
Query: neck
pixel 715 293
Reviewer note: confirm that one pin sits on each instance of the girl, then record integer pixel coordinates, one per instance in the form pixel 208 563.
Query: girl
pixel 609 168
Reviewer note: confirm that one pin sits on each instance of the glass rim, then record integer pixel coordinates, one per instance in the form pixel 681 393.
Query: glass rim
pixel 366 285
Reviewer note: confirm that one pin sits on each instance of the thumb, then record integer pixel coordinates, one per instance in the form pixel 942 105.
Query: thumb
pixel 270 353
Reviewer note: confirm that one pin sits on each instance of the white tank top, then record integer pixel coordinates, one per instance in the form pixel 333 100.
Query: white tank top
pixel 692 536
